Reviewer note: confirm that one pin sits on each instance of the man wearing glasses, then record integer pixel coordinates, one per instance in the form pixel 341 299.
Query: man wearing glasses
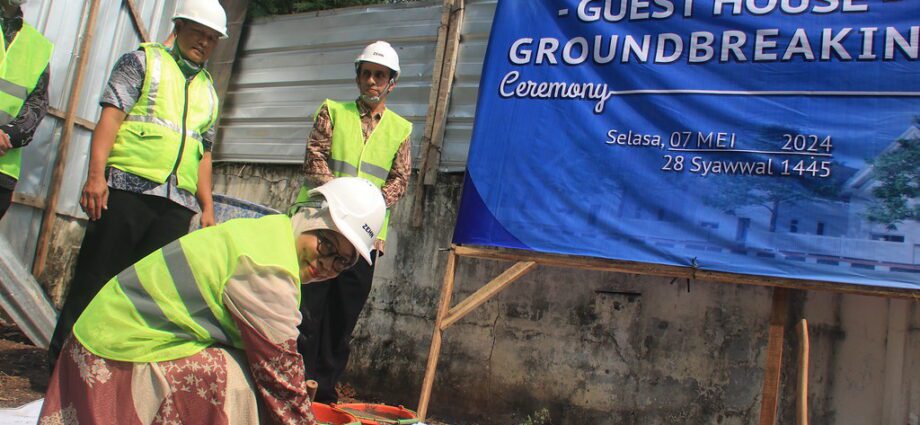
pixel 355 138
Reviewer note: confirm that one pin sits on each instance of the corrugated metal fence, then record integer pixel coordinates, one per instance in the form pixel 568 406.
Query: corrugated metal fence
pixel 288 65
pixel 285 67
pixel 62 22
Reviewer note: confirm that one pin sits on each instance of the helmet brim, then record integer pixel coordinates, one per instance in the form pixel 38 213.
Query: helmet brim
pixel 343 229
pixel 223 33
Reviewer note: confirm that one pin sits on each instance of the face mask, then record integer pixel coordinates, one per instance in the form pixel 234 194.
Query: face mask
pixel 376 99
pixel 185 65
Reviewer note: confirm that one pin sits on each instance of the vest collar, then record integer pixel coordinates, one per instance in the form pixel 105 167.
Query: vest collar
pixel 11 26
pixel 364 110
pixel 189 69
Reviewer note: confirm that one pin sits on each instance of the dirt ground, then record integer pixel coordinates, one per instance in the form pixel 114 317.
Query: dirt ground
pixel 24 372
pixel 23 369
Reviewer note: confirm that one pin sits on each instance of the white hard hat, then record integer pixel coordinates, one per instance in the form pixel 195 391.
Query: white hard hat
pixel 358 210
pixel 379 52
pixel 205 12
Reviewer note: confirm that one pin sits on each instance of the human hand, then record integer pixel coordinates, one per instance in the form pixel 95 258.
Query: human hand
pixel 95 197
pixel 207 218
pixel 5 143
pixel 378 246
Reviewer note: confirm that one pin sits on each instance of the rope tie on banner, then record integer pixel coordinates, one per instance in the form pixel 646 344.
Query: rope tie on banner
pixel 694 266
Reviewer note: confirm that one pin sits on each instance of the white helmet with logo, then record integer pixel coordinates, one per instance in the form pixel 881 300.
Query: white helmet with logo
pixel 205 12
pixel 379 52
pixel 358 210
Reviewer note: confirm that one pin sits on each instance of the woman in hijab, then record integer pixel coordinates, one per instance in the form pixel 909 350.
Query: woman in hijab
pixel 204 330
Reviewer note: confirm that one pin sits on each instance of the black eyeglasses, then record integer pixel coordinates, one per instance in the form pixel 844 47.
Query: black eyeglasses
pixel 327 249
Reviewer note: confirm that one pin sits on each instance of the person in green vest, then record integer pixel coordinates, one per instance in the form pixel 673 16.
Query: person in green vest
pixel 24 76
pixel 361 138
pixel 204 330
pixel 150 162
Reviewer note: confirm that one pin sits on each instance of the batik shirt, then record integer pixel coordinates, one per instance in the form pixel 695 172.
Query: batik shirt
pixel 123 91
pixel 21 129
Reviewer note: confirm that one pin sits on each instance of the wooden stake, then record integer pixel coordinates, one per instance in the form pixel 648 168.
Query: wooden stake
pixel 801 399
pixel 445 65
pixel 60 162
pixel 434 351
pixel 312 386
pixel 137 21
pixel 773 369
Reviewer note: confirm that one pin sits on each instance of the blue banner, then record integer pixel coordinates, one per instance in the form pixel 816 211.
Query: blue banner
pixel 763 137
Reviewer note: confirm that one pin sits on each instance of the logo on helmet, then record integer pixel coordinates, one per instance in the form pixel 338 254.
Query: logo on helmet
pixel 368 230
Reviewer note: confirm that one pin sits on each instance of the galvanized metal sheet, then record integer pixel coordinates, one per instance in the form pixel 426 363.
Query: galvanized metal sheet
pixel 288 65
pixel 61 21
pixel 23 299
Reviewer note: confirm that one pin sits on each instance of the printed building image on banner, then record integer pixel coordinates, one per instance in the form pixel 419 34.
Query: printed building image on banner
pixel 775 138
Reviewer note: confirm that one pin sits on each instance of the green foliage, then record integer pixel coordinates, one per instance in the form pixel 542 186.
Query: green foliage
pixel 898 174
pixel 540 417
pixel 775 192
pixel 286 7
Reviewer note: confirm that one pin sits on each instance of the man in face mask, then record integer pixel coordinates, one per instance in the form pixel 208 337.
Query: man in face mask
pixel 23 92
pixel 353 138
pixel 150 162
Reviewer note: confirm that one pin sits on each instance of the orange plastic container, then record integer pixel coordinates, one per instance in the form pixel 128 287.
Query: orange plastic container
pixel 379 414
pixel 328 415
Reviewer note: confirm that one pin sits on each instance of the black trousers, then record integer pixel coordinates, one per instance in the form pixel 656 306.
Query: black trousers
pixel 133 226
pixel 330 312
pixel 6 197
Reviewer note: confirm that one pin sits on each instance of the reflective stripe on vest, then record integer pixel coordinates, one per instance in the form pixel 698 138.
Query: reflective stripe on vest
pixel 21 66
pixel 14 90
pixel 169 305
pixel 180 271
pixel 150 142
pixel 351 156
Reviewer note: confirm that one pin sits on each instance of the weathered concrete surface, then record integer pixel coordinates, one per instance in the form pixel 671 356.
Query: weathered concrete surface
pixel 593 347
pixel 62 257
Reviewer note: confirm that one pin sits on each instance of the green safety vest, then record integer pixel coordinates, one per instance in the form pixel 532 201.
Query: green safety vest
pixel 169 305
pixel 153 141
pixel 352 157
pixel 21 66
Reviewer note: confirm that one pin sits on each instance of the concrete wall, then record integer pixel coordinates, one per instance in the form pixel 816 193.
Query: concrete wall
pixel 606 348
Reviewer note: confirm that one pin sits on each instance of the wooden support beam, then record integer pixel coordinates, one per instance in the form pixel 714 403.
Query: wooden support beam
pixel 137 21
pixel 773 370
pixel 801 399
pixel 60 162
pixel 602 264
pixel 487 291
pixel 28 200
pixel 526 260
pixel 898 355
pixel 82 122
pixel 434 351
pixel 445 87
pixel 445 65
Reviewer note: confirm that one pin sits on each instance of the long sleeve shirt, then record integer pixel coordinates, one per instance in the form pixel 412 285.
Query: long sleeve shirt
pixel 319 145
pixel 22 128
